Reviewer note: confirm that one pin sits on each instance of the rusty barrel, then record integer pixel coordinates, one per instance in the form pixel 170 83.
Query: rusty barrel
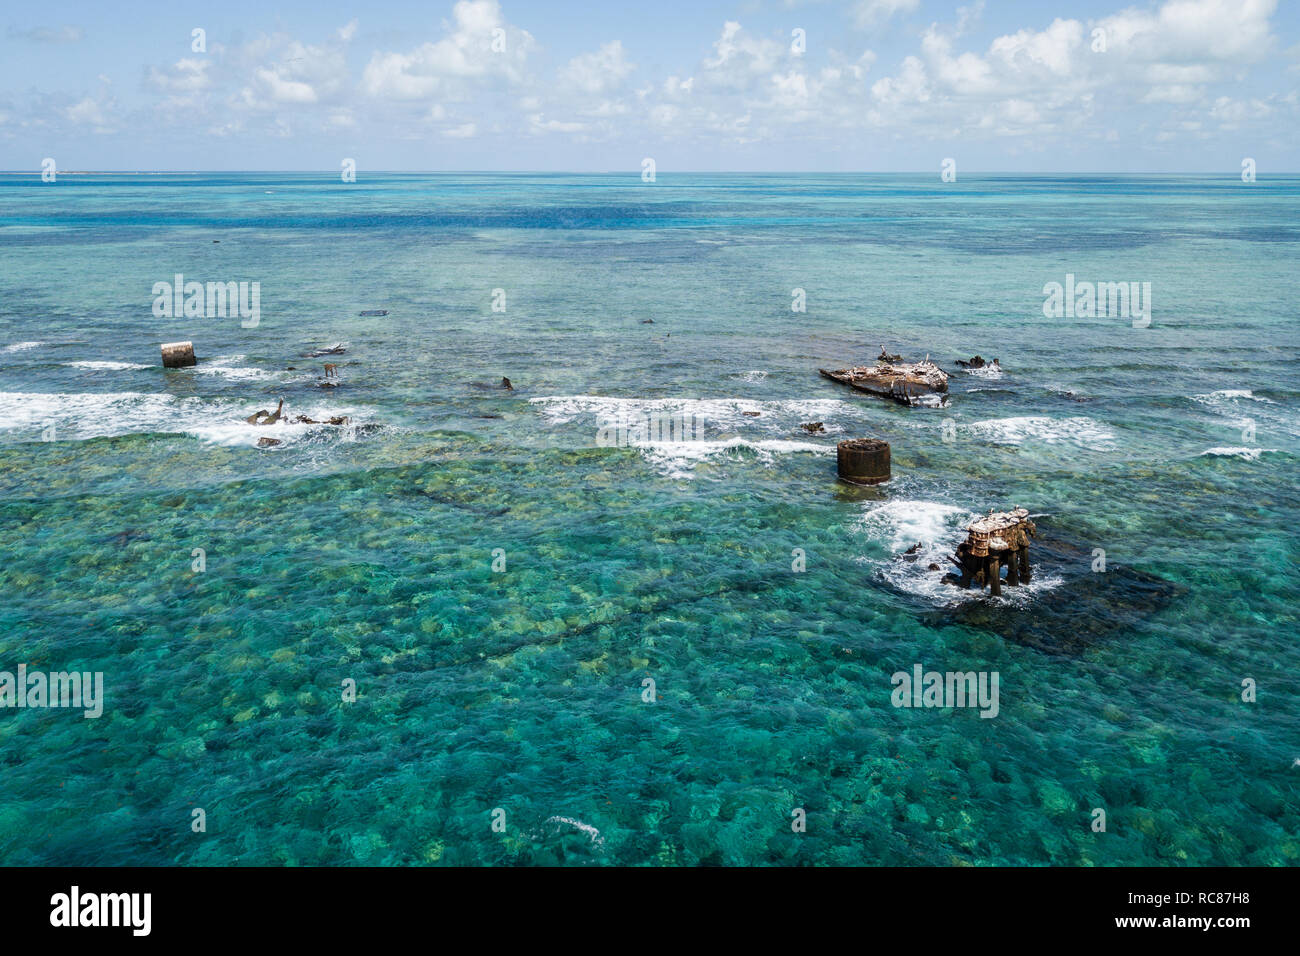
pixel 177 354
pixel 863 461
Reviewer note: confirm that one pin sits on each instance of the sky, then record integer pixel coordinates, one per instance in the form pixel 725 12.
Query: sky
pixel 557 85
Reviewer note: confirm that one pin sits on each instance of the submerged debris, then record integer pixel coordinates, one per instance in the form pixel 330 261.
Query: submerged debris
pixel 336 420
pixel 338 348
pixel 909 383
pixel 1081 611
pixel 978 362
pixel 263 417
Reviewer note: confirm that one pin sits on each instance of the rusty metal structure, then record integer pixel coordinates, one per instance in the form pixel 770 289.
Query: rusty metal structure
pixel 999 538
pixel 908 383
pixel 863 461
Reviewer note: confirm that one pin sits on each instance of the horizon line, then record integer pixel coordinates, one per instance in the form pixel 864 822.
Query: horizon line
pixel 632 171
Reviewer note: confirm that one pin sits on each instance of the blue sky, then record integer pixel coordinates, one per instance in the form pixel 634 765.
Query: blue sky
pixel 881 85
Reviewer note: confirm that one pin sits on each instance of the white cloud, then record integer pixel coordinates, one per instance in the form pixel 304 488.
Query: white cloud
pixel 465 55
pixel 967 17
pixel 739 56
pixel 94 112
pixel 597 72
pixel 869 13
pixel 64 34
pixel 1166 69
pixel 276 88
pixel 1040 80
pixel 1232 113
pixel 302 75
pixel 186 76
pixel 541 125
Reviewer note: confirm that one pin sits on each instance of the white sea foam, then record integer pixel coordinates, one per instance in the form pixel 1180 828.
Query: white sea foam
pixel 755 375
pixel 22 346
pixel 721 413
pixel 938 528
pixel 1241 408
pixel 1080 431
pixel 1213 398
pixel 991 372
pixel 108 366
pixel 586 828
pixel 725 430
pixel 901 524
pixel 79 416
pixel 678 459
pixel 1245 454
pixel 230 367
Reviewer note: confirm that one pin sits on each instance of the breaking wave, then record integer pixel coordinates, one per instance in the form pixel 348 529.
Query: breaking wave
pixel 1245 454
pixel 80 416
pixel 732 428
pixel 938 528
pixel 1079 431
pixel 108 366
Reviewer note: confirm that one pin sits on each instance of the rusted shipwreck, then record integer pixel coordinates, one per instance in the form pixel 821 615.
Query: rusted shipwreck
pixel 1000 538
pixel 263 417
pixel 909 383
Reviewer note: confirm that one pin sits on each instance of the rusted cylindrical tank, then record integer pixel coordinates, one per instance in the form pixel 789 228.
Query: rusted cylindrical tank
pixel 178 354
pixel 863 461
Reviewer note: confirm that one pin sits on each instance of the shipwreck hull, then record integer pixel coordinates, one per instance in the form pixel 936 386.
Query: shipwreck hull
pixel 922 383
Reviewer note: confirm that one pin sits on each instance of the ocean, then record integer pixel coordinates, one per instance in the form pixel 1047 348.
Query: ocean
pixel 465 628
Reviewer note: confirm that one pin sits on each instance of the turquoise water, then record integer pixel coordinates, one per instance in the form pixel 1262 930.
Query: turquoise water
pixel 365 552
